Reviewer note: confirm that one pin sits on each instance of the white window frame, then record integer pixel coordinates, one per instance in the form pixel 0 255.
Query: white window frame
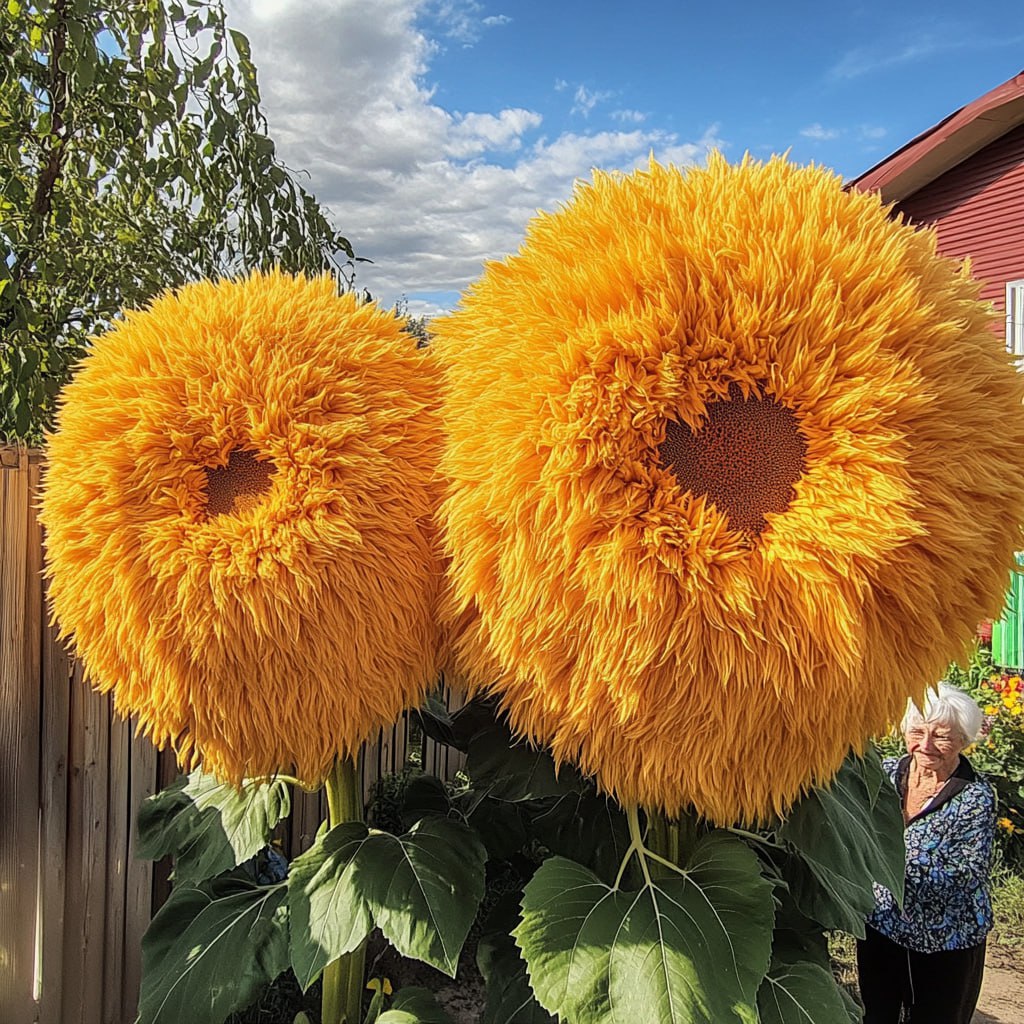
pixel 1015 319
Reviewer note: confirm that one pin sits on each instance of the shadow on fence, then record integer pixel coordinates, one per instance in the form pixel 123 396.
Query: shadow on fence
pixel 74 900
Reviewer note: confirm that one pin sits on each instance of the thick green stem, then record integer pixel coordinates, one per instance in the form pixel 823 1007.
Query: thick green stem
pixel 636 840
pixel 663 836
pixel 659 833
pixel 343 978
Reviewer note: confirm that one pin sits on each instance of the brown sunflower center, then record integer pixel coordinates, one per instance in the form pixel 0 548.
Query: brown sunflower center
pixel 239 485
pixel 746 458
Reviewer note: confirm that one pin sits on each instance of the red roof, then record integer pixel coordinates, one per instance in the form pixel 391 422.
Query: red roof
pixel 947 144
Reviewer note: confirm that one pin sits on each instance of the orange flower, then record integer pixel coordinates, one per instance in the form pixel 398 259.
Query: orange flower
pixel 725 446
pixel 238 507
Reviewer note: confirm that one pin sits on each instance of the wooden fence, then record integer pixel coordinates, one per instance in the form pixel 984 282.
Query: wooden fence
pixel 74 900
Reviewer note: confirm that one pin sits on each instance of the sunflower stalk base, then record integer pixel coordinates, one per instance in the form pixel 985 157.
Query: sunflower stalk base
pixel 343 978
pixel 671 839
pixel 666 836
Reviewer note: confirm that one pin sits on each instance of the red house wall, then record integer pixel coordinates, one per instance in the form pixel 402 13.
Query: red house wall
pixel 978 211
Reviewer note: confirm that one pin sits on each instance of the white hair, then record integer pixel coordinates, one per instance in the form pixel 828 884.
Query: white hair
pixel 946 705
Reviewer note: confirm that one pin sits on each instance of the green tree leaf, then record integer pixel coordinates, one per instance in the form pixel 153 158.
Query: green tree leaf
pixel 211 950
pixel 421 889
pixel 209 826
pixel 414 1006
pixel 133 157
pixel 845 836
pixel 681 950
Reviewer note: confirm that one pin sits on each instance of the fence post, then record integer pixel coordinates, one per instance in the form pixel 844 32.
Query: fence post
pixel 20 628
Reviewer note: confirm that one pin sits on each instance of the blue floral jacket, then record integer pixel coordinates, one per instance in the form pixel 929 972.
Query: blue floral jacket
pixel 949 850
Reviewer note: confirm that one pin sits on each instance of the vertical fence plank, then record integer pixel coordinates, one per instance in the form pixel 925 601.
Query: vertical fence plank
pixel 139 873
pixel 166 773
pixel 400 744
pixel 19 744
pixel 35 620
pixel 454 699
pixel 57 682
pixel 293 843
pixel 84 916
pixel 438 758
pixel 118 796
pixel 369 765
pixel 432 749
pixel 308 811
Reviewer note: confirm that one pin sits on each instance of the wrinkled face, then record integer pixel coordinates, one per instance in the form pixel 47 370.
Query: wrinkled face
pixel 935 746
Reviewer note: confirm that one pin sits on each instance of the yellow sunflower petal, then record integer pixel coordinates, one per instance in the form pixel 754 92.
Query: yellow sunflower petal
pixel 238 505
pixel 725 448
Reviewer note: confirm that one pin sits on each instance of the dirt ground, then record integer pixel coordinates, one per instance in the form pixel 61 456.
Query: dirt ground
pixel 1002 991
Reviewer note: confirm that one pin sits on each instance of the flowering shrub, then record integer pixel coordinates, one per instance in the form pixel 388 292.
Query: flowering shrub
pixel 999 752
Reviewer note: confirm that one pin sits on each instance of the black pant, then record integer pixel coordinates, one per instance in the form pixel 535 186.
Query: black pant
pixel 937 988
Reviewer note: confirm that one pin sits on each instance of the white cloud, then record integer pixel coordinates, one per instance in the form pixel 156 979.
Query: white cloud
pixel 472 134
pixel 866 60
pixel 462 20
pixel 871 132
pixel 920 42
pixel 629 116
pixel 819 133
pixel 584 100
pixel 426 193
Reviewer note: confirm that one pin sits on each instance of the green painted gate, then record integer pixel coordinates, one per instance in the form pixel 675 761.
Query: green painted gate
pixel 1008 632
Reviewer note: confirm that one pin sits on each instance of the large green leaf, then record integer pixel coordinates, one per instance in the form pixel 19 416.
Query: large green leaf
pixel 423 794
pixel 510 1000
pixel 845 836
pixel 421 889
pixel 329 914
pixel 507 769
pixel 586 827
pixel 435 720
pixel 209 826
pixel 458 729
pixel 799 987
pixel 414 1006
pixel 211 950
pixel 498 823
pixel 680 950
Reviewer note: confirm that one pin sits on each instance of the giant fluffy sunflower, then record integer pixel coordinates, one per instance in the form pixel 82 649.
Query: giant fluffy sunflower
pixel 730 456
pixel 238 504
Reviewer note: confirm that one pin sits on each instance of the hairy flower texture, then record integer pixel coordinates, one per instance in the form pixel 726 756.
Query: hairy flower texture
pixel 238 503
pixel 721 445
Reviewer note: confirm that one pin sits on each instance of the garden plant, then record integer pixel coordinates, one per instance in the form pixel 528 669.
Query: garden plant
pixel 999 751
pixel 669 494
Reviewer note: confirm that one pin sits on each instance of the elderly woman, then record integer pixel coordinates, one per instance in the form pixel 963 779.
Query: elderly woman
pixel 929 955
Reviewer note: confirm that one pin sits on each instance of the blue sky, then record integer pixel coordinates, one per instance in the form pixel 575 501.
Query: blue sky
pixel 433 129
